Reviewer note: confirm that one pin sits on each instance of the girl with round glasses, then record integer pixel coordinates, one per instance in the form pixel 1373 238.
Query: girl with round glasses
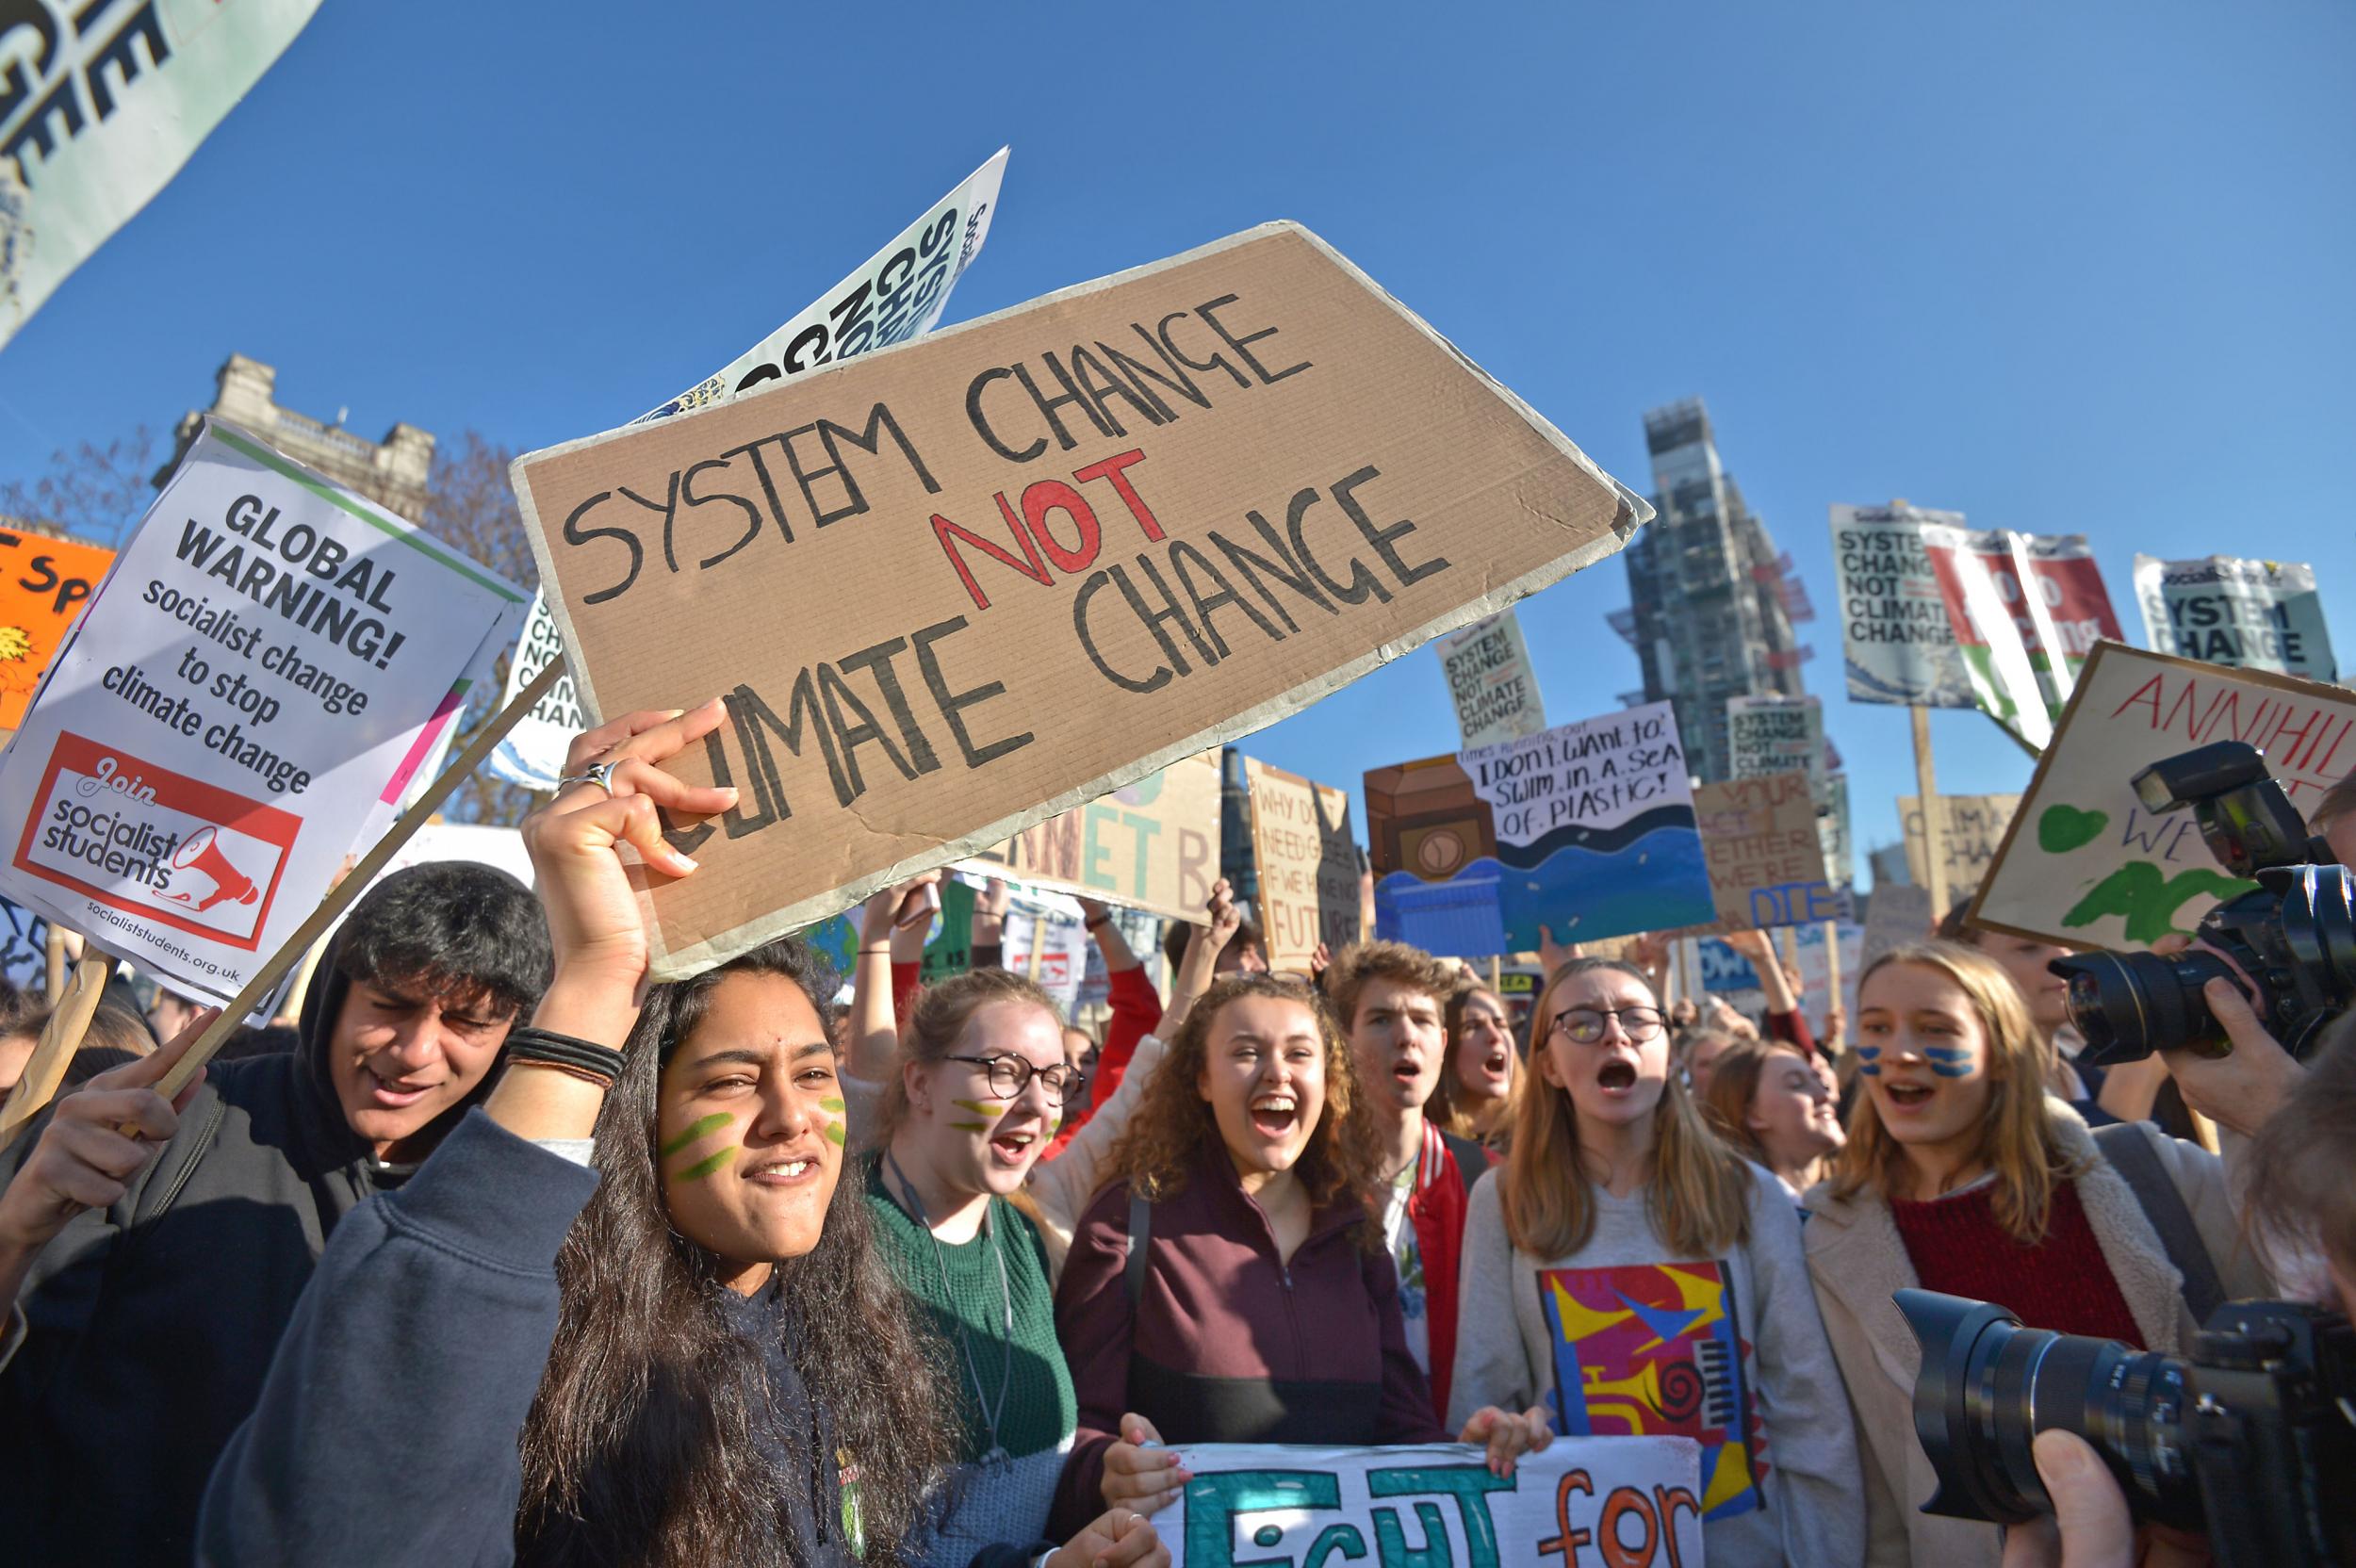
pixel 1626 1270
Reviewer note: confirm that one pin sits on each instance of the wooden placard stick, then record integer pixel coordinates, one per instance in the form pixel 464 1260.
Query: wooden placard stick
pixel 60 1037
pixel 54 951
pixel 265 979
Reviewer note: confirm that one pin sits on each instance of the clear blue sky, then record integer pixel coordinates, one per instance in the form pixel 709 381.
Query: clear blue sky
pixel 2066 267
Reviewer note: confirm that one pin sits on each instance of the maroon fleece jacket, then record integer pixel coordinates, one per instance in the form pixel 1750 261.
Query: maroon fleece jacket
pixel 1227 1344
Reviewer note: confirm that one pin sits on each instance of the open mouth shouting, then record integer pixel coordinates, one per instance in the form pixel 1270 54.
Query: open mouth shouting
pixel 1617 1077
pixel 1274 1116
pixel 1905 1097
pixel 1010 1148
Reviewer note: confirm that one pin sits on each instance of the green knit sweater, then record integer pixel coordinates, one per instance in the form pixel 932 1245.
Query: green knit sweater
pixel 1036 1425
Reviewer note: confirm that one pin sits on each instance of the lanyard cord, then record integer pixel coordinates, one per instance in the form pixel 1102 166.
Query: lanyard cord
pixel 989 1413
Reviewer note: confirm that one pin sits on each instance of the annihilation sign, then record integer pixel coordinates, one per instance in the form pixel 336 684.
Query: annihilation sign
pixel 954 587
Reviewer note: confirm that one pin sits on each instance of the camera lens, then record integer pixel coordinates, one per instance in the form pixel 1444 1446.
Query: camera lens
pixel 1988 1386
pixel 2128 1005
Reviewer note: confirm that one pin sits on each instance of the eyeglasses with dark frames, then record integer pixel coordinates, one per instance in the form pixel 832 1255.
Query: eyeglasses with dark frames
pixel 1010 1075
pixel 1585 1025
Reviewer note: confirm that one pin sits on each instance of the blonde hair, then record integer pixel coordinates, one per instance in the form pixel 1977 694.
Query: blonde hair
pixel 1697 1191
pixel 938 1017
pixel 2017 1140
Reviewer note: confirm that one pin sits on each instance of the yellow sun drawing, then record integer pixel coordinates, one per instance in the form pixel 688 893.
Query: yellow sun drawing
pixel 15 643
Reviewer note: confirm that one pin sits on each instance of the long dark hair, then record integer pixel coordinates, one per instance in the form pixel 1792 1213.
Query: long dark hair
pixel 642 1445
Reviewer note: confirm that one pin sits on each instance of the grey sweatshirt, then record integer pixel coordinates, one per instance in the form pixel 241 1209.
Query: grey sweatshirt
pixel 1625 1336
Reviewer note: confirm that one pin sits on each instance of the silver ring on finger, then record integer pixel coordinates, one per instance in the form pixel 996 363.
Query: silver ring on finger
pixel 599 773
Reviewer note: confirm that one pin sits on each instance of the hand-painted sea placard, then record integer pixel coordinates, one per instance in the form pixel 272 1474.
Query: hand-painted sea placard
pixel 1586 830
pixel 1267 1506
pixel 2084 863
pixel 954 587
pixel 1970 827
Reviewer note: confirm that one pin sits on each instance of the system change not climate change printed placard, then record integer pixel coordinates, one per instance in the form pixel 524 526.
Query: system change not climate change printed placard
pixel 956 586
pixel 244 702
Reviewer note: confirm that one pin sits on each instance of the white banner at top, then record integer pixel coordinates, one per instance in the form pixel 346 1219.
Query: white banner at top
pixel 100 106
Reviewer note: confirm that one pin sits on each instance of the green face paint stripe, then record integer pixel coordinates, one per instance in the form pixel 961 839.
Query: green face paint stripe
pixel 834 1105
pixel 704 1168
pixel 694 1132
pixel 979 1107
pixel 969 1126
pixel 834 1133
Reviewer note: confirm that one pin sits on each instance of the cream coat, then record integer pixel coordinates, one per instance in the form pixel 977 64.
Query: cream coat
pixel 1858 1260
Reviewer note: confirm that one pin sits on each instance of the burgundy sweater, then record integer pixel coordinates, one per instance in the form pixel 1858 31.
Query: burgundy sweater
pixel 2061 1283
pixel 1227 1344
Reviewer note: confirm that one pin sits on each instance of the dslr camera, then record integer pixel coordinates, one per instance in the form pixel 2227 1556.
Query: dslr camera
pixel 2294 936
pixel 2252 1440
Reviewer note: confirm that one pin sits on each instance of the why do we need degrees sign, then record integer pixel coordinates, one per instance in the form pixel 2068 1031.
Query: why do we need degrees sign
pixel 952 587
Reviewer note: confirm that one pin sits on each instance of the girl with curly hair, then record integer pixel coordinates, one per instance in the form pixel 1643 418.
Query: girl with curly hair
pixel 1230 1286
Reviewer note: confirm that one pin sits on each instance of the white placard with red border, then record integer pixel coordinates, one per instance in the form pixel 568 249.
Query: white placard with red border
pixel 258 681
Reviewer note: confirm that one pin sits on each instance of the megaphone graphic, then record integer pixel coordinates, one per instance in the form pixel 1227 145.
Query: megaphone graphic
pixel 201 853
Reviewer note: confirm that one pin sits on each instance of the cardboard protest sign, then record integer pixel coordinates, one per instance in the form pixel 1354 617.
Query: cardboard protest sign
pixel 1308 865
pixel 896 294
pixel 2082 862
pixel 2026 609
pixel 43 585
pixel 1970 827
pixel 954 587
pixel 1152 844
pixel 1583 831
pixel 1833 829
pixel 1895 632
pixel 1814 958
pixel 246 698
pixel 2251 614
pixel 1766 862
pixel 1490 681
pixel 96 118
pixel 1271 1506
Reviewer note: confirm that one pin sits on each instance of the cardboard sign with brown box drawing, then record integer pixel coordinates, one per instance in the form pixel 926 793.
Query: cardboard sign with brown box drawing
pixel 954 587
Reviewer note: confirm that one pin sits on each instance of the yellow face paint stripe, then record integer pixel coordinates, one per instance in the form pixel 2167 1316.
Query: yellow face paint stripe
pixel 696 1131
pixel 704 1168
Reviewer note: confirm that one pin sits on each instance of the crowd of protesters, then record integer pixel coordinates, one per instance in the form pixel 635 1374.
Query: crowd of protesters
pixel 510 1254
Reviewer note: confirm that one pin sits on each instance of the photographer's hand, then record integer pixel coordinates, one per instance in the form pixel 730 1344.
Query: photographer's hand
pixel 2243 1089
pixel 2091 1527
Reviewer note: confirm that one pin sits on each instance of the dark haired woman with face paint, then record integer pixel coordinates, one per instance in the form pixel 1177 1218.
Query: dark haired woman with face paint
pixel 691 1355
pixel 1628 1269
pixel 1963 1174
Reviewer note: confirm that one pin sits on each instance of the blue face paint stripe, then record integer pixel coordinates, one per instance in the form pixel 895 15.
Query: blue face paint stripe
pixel 1868 1069
pixel 1869 1051
pixel 1946 1071
pixel 1947 1053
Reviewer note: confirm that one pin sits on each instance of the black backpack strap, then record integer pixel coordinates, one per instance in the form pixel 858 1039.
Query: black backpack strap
pixel 1140 1235
pixel 2128 1149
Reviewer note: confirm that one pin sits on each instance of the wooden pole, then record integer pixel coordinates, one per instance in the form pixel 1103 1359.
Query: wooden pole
pixel 1926 798
pixel 60 1037
pixel 1497 973
pixel 54 949
pixel 265 979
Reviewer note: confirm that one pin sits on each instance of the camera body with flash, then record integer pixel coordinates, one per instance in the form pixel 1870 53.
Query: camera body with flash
pixel 2293 937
